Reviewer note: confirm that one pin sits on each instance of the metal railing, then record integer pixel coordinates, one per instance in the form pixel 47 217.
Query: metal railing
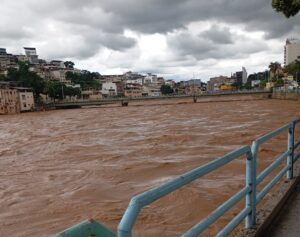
pixel 248 192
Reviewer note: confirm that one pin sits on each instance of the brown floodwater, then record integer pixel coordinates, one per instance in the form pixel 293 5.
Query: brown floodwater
pixel 59 168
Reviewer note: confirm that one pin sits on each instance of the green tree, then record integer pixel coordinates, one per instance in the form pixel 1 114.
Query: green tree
pixel 85 79
pixel 248 85
pixel 69 64
pixel 279 83
pixel 26 78
pixel 70 91
pixel 287 7
pixel 275 69
pixel 54 89
pixel 166 90
pixel 2 78
pixel 263 83
pixel 294 69
pixel 236 85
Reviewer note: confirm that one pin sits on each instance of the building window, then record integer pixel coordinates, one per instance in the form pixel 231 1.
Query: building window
pixel 23 97
pixel 24 105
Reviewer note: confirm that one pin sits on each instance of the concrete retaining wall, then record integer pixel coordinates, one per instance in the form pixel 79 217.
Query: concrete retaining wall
pixel 286 96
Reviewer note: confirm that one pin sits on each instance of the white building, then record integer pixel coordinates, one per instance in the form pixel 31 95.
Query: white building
pixel 58 63
pixel 150 78
pixel 151 91
pixel 139 81
pixel 58 75
pixel 245 75
pixel 31 54
pixel 26 99
pixel 291 51
pixel 109 89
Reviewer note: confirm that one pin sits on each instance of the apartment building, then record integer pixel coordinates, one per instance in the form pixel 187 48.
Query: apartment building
pixel 9 100
pixel 31 54
pixel 133 90
pixel 91 94
pixel 291 51
pixel 214 83
pixel 26 99
pixel 109 89
pixel 14 100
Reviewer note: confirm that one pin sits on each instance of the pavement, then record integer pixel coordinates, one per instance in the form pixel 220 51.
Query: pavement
pixel 287 224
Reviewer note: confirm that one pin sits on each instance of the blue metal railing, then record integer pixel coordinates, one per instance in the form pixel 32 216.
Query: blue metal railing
pixel 248 192
pixel 138 202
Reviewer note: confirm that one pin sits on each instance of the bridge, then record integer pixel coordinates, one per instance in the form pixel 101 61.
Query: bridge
pixel 124 101
pixel 257 219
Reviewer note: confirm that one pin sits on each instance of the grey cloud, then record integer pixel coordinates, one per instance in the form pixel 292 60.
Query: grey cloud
pixel 115 42
pixel 185 44
pixel 218 35
pixel 80 29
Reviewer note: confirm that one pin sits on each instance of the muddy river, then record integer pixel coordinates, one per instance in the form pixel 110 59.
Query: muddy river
pixel 59 168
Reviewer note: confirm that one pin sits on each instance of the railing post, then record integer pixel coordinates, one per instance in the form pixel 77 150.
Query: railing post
pixel 290 158
pixel 251 182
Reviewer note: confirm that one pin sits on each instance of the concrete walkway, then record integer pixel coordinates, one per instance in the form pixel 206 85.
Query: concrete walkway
pixel 288 223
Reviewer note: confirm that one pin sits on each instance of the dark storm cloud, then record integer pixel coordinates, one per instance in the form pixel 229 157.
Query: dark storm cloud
pixel 101 23
pixel 218 35
pixel 202 48
pixel 157 16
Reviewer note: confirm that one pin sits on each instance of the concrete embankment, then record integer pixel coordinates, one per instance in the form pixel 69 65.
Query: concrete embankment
pixel 286 96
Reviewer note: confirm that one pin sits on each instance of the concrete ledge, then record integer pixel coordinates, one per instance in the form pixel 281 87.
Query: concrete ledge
pixel 271 209
pixel 286 96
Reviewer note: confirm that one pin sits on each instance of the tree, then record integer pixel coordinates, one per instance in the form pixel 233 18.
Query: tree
pixel 279 83
pixel 25 78
pixel 236 85
pixel 2 78
pixel 294 69
pixel 166 89
pixel 263 83
pixel 70 91
pixel 55 89
pixel 69 64
pixel 85 79
pixel 275 69
pixel 248 86
pixel 287 7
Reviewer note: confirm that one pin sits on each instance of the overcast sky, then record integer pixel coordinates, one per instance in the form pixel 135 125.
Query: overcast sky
pixel 175 38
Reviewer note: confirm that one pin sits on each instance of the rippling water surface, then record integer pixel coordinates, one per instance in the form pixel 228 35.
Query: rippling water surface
pixel 58 168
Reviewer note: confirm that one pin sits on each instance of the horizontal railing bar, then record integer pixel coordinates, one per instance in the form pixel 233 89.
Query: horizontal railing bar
pixel 234 223
pixel 296 157
pixel 270 185
pixel 220 211
pixel 270 135
pixel 296 121
pixel 146 198
pixel 271 167
pixel 156 193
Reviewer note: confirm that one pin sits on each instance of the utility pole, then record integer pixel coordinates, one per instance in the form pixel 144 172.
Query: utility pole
pixel 62 91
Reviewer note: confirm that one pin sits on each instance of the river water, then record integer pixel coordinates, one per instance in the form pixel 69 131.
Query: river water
pixel 61 167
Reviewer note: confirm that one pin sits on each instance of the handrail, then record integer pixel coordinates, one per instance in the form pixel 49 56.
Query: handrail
pixel 146 198
pixel 249 191
pixel 296 143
